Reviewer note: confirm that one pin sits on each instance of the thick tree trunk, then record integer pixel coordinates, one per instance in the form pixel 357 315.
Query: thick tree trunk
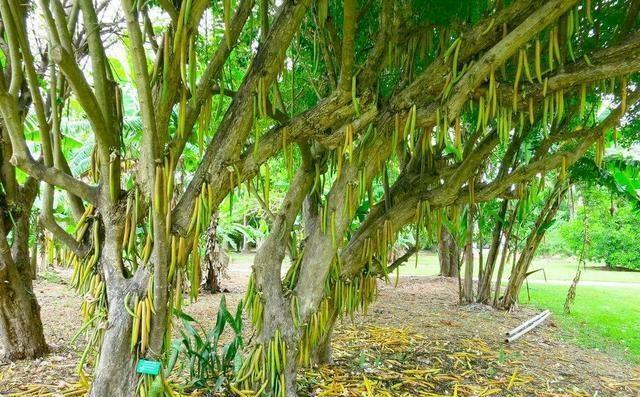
pixel 448 254
pixel 21 334
pixel 277 316
pixel 115 372
pixel 267 266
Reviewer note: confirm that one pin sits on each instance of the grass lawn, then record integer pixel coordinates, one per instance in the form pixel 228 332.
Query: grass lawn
pixel 563 269
pixel 605 318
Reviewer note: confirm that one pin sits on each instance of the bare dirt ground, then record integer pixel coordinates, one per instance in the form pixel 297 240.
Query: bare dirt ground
pixel 415 341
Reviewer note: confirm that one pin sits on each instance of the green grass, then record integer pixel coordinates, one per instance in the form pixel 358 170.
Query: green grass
pixel 603 318
pixel 560 269
pixel 563 269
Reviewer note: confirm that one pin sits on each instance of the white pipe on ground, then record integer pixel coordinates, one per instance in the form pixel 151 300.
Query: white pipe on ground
pixel 532 325
pixel 526 323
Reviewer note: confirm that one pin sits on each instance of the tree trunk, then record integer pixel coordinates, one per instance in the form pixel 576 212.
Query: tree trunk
pixel 468 271
pixel 519 271
pixel 480 253
pixel 448 254
pixel 278 317
pixel 322 352
pixel 505 253
pixel 245 240
pixel 214 261
pixel 115 371
pixel 21 334
pixel 484 283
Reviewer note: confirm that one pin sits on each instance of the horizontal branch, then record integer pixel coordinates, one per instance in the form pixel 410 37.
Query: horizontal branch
pixel 48 222
pixel 611 62
pixel 56 177
pixel 406 196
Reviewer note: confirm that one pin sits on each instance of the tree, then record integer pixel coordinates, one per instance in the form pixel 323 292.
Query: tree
pixel 448 254
pixel 21 332
pixel 607 200
pixel 215 261
pixel 544 220
pixel 332 271
pixel 401 107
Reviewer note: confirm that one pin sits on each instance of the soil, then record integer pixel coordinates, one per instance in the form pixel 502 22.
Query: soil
pixel 416 331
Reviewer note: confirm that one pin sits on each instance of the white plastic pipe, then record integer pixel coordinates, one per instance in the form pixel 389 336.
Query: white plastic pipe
pixel 531 326
pixel 526 323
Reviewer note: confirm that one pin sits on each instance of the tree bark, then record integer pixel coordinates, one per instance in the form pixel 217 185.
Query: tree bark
pixel 468 270
pixel 448 252
pixel 484 283
pixel 519 271
pixel 503 260
pixel 21 333
pixel 267 266
pixel 505 253
pixel 115 371
pixel 214 261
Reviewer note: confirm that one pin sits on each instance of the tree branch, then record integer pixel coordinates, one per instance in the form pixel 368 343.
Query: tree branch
pixel 348 43
pixel 205 85
pixel 238 120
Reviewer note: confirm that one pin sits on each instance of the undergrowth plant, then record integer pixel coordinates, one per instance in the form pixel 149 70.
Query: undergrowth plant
pixel 200 355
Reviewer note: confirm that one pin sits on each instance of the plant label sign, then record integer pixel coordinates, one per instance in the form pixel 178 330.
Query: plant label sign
pixel 148 367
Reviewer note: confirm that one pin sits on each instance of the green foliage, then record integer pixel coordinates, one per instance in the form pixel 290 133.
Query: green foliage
pixel 206 364
pixel 554 242
pixel 612 228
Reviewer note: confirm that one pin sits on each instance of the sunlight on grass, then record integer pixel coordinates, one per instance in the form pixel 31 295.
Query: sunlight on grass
pixel 604 318
pixel 563 269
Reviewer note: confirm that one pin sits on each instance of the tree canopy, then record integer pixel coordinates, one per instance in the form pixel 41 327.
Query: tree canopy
pixel 350 122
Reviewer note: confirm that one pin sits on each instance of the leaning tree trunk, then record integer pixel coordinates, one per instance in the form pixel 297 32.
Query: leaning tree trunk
pixel 503 260
pixel 505 254
pixel 277 319
pixel 519 271
pixel 448 253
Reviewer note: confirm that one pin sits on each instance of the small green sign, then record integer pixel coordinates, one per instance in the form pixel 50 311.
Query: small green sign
pixel 148 367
